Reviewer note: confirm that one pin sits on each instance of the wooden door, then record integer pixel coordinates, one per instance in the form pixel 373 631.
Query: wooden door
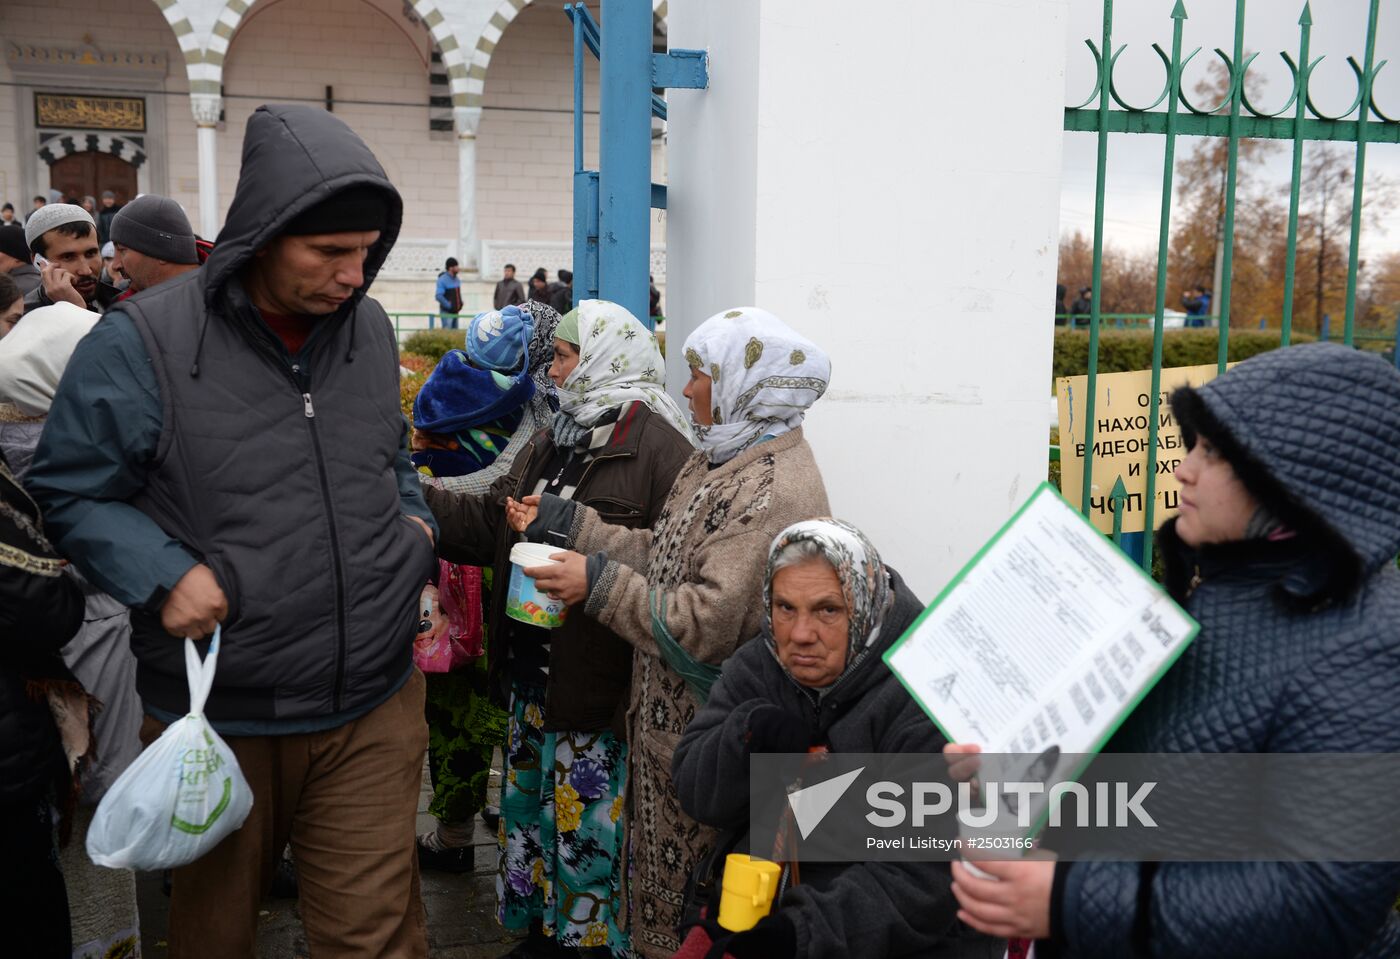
pixel 88 174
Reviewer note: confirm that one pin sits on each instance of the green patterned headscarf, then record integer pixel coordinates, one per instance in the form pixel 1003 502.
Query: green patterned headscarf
pixel 765 376
pixel 567 330
pixel 619 363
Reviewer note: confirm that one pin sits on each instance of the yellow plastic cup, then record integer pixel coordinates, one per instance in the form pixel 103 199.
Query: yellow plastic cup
pixel 746 895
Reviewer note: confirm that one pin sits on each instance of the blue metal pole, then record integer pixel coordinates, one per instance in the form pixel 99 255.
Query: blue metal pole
pixel 1326 327
pixel 578 94
pixel 624 161
pixel 585 257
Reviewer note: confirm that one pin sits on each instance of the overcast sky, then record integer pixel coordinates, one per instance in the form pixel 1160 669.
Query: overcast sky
pixel 1135 161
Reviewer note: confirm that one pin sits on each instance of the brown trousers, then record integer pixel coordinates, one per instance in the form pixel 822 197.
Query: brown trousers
pixel 346 799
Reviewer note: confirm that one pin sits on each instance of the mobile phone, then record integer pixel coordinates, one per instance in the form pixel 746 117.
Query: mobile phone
pixel 40 261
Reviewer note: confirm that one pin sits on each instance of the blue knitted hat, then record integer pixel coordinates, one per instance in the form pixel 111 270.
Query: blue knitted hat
pixel 458 396
pixel 497 340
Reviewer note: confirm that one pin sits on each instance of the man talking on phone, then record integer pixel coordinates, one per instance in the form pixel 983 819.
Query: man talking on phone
pixel 63 239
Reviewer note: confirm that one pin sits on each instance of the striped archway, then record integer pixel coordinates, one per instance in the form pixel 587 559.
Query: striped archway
pixel 491 37
pixel 486 46
pixel 201 80
pixel 207 71
pixel 55 146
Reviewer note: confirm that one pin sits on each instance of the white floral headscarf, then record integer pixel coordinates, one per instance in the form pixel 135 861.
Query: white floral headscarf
pixel 619 363
pixel 865 582
pixel 765 377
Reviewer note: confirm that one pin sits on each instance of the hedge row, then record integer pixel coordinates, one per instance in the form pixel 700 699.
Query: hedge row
pixel 434 343
pixel 1124 350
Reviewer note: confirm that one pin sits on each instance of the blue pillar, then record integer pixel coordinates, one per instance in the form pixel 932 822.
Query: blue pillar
pixel 624 162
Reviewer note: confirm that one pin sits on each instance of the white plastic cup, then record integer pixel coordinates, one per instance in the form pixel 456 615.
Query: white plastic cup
pixel 524 602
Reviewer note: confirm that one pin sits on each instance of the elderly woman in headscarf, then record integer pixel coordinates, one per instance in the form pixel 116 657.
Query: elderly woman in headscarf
pixel 615 447
pixel 814 680
pixel 686 595
pixel 476 412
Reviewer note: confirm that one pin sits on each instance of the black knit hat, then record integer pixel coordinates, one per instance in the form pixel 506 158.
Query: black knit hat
pixel 12 244
pixel 157 227
pixel 357 209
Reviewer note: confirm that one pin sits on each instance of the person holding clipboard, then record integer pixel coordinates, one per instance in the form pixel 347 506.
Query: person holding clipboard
pixel 1284 552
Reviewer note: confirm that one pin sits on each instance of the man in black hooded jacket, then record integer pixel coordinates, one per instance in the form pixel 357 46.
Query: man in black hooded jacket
pixel 228 447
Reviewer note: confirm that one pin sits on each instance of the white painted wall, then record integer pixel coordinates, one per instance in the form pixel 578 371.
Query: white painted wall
pixel 712 176
pixel 841 145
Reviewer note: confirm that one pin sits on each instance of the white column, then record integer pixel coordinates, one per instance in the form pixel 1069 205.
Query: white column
pixel 915 243
pixel 206 107
pixel 466 120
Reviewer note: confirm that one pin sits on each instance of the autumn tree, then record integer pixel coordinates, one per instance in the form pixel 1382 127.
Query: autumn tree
pixel 1199 218
pixel 1260 248
pixel 1379 303
pixel 1129 276
pixel 1324 232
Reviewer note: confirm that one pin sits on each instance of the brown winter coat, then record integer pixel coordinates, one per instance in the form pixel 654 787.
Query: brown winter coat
pixel 626 483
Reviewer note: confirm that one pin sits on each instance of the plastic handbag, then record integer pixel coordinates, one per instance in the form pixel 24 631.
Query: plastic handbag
pixel 450 632
pixel 181 796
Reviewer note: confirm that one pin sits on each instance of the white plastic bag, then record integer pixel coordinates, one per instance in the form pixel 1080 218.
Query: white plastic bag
pixel 180 797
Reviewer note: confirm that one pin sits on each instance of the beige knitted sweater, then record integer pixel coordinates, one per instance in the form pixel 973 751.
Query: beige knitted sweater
pixel 707 553
pixel 708 550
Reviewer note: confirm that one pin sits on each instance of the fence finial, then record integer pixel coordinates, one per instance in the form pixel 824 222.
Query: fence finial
pixel 1179 11
pixel 1306 19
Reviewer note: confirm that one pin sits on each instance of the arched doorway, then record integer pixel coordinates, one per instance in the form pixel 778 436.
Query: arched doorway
pixel 89 173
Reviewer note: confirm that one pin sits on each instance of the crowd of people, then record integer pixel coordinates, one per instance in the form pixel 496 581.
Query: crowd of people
pixel 198 436
pixel 1195 302
pixel 557 296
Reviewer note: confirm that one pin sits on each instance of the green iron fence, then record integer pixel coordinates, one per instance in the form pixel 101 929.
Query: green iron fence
pixel 1146 321
pixel 1234 118
pixel 406 324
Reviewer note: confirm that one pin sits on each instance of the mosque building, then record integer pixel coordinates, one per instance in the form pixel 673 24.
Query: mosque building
pixel 466 103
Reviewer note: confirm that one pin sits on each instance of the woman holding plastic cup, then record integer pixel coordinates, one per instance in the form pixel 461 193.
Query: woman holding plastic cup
pixel 813 681
pixel 687 594
pixel 615 446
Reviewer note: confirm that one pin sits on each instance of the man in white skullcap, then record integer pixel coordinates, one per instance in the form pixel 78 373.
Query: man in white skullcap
pixel 65 236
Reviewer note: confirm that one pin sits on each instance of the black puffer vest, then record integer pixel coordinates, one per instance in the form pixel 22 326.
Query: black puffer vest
pixel 281 478
pixel 279 474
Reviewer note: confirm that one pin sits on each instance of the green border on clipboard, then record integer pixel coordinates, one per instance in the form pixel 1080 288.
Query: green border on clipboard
pixel 1128 708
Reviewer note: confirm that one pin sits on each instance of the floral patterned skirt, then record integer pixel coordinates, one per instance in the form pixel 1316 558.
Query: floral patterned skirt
pixel 561 830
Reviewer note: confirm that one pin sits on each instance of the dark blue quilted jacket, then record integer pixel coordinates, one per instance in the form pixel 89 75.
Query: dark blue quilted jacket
pixel 1299 651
